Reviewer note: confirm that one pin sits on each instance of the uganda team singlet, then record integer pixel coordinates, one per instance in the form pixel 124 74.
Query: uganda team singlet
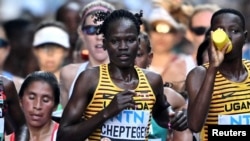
pixel 230 104
pixel 130 124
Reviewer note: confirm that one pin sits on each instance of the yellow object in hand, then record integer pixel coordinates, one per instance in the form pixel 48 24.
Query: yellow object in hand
pixel 220 39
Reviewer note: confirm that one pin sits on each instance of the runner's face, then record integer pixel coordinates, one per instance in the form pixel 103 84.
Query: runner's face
pixel 233 26
pixel 122 43
pixel 38 103
pixel 142 58
pixel 93 42
pixel 50 57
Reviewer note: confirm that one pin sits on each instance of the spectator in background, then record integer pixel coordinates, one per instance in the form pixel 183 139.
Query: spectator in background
pixel 93 43
pixel 4 51
pixel 164 35
pixel 20 61
pixel 199 24
pixel 51 46
pixel 68 14
pixel 202 54
pixel 180 11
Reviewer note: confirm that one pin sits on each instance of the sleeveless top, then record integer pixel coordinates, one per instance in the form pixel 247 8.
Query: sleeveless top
pixel 53 136
pixel 129 124
pixel 230 102
pixel 80 69
pixel 59 110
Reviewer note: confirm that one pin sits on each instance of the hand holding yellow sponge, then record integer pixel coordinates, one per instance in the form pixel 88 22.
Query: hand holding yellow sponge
pixel 220 39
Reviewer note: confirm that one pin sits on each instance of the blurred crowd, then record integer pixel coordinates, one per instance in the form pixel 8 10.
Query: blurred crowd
pixel 20 18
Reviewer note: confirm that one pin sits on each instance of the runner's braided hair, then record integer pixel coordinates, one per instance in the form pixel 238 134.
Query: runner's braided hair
pixel 108 17
pixel 230 11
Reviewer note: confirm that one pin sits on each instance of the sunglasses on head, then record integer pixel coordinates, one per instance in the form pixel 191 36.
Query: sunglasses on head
pixel 3 43
pixel 90 29
pixel 200 30
pixel 163 28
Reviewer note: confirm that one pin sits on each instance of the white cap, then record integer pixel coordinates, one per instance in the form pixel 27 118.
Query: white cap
pixel 51 34
pixel 160 14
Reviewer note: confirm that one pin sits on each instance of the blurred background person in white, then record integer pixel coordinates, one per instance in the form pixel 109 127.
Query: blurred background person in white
pixel 4 51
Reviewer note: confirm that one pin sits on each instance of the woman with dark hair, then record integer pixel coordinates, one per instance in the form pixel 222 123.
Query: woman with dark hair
pixel 217 86
pixel 39 97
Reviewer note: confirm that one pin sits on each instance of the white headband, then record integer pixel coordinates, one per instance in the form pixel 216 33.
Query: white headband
pixel 53 35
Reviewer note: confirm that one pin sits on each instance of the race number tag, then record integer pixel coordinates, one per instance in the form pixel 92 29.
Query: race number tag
pixel 238 119
pixel 127 125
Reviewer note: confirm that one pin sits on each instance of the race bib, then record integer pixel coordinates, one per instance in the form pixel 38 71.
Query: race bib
pixel 127 125
pixel 238 119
